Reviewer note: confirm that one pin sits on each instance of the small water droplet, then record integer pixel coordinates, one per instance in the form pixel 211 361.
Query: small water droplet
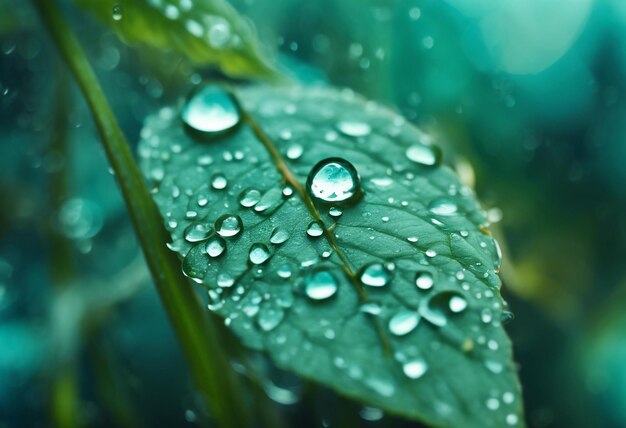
pixel 315 229
pixel 225 280
pixel 228 225
pixel 415 368
pixel 284 271
pixel 334 180
pixel 117 12
pixel 294 151
pixel 424 280
pixel 216 246
pixel 512 419
pixel 437 308
pixel 424 155
pixel 279 236
pixel 493 404
pixel 320 285
pixel 375 275
pixel 196 232
pixel 259 254
pixel 443 206
pixel 335 212
pixel 210 112
pixel 354 128
pixel 219 181
pixel 249 198
pixel 269 318
pixel 403 322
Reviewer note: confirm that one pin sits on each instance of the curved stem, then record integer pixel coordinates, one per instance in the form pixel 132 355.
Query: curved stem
pixel 197 335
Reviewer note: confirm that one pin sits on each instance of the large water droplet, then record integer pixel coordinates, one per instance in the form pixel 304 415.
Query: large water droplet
pixel 279 236
pixel 443 206
pixel 424 280
pixel 403 322
pixel 228 225
pixel 219 181
pixel 196 232
pixel 424 155
pixel 439 307
pixel 375 275
pixel 353 128
pixel 415 368
pixel 210 111
pixel 320 285
pixel 249 198
pixel 314 229
pixel 259 254
pixel 216 246
pixel 334 180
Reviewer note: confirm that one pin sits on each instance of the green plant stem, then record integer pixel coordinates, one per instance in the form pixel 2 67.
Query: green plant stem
pixel 198 337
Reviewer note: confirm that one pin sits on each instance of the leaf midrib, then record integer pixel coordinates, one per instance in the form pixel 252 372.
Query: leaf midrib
pixel 290 178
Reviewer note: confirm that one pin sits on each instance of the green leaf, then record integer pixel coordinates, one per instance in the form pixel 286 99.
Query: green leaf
pixel 454 368
pixel 208 32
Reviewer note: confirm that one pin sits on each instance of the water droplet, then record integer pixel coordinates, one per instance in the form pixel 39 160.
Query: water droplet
pixel 424 280
pixel 284 271
pixel 320 285
pixel 335 212
pixel 228 225
pixel 294 151
pixel 375 275
pixel 219 181
pixel 225 280
pixel 249 198
pixel 424 155
pixel 279 236
pixel 259 254
pixel 80 218
pixel 353 128
pixel 430 253
pixel 493 404
pixel 269 201
pixel 437 308
pixel 269 318
pixel 196 232
pixel 512 419
pixel 371 414
pixel 415 368
pixel 117 12
pixel 334 180
pixel 315 229
pixel 443 206
pixel 210 111
pixel 403 322
pixel 216 246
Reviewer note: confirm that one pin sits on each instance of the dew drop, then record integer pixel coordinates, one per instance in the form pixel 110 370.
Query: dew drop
pixel 269 318
pixel 334 180
pixel 210 112
pixel 353 128
pixel 117 12
pixel 249 198
pixel 439 307
pixel 403 322
pixel 443 206
pixel 424 280
pixel 216 246
pixel 279 236
pixel 320 285
pixel 294 151
pixel 424 155
pixel 219 181
pixel 196 232
pixel 284 271
pixel 314 229
pixel 415 368
pixel 375 275
pixel 335 212
pixel 228 225
pixel 225 280
pixel 259 254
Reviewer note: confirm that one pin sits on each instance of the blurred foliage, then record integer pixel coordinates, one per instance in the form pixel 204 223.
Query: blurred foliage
pixel 531 93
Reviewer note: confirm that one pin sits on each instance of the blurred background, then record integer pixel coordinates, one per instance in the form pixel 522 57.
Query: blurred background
pixel 528 98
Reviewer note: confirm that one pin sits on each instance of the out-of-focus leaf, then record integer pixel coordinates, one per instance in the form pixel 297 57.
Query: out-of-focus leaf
pixel 239 214
pixel 205 31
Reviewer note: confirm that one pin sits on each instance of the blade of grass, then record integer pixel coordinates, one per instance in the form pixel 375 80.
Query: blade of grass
pixel 198 337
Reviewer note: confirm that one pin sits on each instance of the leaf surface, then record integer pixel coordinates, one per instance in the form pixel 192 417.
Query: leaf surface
pixel 430 350
pixel 208 32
